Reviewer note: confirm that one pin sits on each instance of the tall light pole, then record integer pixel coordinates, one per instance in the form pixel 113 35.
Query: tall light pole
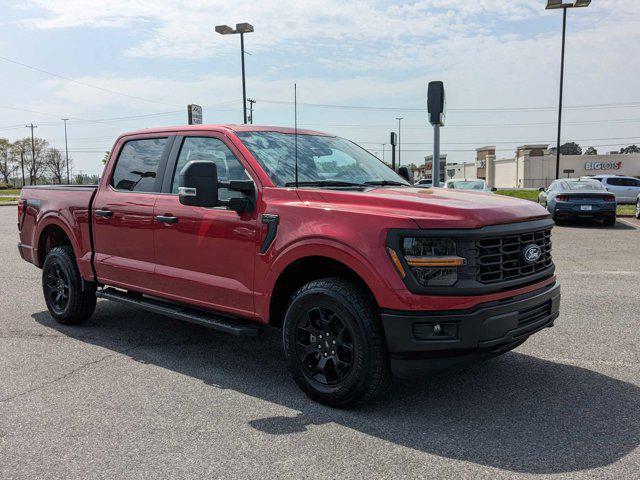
pixel 383 145
pixel 241 28
pixel 66 148
pixel 552 5
pixel 399 132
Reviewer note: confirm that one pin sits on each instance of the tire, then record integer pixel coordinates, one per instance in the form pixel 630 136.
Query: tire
pixel 638 209
pixel 62 287
pixel 609 221
pixel 354 371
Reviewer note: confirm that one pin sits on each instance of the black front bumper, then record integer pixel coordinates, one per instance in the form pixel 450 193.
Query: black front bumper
pixel 423 341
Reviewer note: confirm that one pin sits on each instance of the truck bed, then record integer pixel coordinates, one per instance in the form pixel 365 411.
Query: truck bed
pixel 41 205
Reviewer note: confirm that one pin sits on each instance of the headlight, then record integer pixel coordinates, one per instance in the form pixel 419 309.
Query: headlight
pixel 432 261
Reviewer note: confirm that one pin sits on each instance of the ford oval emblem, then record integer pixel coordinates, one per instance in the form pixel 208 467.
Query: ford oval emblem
pixel 531 253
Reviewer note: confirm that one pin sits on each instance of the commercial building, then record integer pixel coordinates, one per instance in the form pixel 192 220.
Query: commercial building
pixel 425 170
pixel 534 166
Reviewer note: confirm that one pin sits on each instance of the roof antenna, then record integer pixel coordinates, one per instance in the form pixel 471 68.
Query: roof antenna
pixel 295 125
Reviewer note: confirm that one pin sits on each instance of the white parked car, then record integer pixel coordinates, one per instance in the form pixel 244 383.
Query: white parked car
pixel 478 184
pixel 626 189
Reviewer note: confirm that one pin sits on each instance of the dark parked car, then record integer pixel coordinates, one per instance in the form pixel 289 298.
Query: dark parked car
pixel 579 198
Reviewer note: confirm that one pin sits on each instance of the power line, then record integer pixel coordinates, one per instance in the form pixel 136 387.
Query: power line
pixel 494 109
pixel 486 125
pixel 509 142
pixel 84 84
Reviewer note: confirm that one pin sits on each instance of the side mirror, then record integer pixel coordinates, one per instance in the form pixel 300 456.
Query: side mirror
pixel 405 173
pixel 541 189
pixel 494 189
pixel 198 184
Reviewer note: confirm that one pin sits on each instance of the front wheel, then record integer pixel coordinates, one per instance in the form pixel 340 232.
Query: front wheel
pixel 334 343
pixel 638 209
pixel 68 302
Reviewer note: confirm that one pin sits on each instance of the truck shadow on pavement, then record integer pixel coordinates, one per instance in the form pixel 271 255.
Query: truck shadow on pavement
pixel 518 413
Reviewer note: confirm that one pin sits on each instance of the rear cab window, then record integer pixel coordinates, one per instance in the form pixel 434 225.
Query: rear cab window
pixel 137 166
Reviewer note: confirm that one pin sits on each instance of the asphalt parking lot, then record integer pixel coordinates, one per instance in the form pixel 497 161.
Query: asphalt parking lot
pixel 133 395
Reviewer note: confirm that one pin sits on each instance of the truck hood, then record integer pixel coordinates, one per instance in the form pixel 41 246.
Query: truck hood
pixel 433 207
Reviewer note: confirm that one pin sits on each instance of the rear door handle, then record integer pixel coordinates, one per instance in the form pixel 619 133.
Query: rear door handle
pixel 103 213
pixel 166 219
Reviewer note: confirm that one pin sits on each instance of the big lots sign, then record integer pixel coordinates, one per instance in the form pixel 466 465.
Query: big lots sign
pixel 602 165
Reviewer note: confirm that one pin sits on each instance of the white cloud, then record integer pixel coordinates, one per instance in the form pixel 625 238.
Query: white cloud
pixel 488 52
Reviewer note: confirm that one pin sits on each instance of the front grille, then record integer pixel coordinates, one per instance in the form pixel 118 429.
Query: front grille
pixel 500 257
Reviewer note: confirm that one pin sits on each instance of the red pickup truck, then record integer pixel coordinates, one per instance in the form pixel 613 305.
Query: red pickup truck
pixel 242 227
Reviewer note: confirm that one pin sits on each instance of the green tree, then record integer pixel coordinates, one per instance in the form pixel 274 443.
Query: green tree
pixel 591 151
pixel 630 149
pixel 570 148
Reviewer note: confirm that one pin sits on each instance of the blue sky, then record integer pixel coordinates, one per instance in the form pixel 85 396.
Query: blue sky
pixel 492 55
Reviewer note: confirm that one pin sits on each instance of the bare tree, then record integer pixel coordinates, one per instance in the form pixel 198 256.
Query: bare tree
pixel 55 164
pixel 6 159
pixel 31 158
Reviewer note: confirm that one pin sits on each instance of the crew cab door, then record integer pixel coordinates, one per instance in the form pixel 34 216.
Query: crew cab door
pixel 122 211
pixel 205 256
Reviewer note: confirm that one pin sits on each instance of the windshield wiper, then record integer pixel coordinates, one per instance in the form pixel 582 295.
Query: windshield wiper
pixel 385 182
pixel 324 183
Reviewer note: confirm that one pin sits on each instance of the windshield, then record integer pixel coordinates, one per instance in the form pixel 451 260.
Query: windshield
pixel 584 185
pixel 331 161
pixel 466 184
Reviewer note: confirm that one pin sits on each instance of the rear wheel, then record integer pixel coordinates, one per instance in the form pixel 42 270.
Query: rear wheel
pixel 609 221
pixel 62 286
pixel 334 343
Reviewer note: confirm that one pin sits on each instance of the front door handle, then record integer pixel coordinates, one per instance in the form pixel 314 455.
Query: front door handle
pixel 103 213
pixel 166 219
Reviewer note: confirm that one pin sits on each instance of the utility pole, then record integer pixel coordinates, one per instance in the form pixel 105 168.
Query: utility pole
pixel 251 102
pixel 66 148
pixel 33 153
pixel 393 140
pixel 399 133
pixel 383 145
pixel 22 167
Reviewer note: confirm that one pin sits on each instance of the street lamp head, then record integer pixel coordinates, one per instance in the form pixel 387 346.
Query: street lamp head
pixel 244 28
pixel 224 30
pixel 554 4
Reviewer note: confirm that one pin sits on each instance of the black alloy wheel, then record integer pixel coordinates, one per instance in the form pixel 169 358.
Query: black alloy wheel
pixel 56 287
pixel 70 300
pixel 334 343
pixel 324 346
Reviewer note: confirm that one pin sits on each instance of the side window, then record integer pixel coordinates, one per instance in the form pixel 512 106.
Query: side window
pixel 211 150
pixel 633 182
pixel 137 165
pixel 617 182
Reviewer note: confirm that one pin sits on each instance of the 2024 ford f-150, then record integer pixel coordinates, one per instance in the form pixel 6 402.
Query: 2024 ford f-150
pixel 242 227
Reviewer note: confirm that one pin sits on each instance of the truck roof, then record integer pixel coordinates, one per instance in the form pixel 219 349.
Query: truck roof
pixel 228 127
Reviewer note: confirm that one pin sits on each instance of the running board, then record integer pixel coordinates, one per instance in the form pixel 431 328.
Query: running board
pixel 234 326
